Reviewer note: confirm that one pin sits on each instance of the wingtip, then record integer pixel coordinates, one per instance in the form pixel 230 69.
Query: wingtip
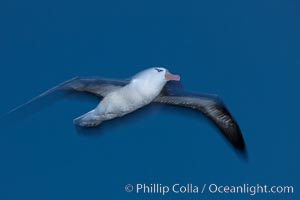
pixel 241 149
pixel 243 153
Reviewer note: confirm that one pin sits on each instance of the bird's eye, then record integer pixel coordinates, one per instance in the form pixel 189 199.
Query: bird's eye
pixel 158 70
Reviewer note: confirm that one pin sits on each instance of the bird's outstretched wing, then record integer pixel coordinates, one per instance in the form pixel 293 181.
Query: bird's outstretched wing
pixel 211 106
pixel 94 85
pixel 97 86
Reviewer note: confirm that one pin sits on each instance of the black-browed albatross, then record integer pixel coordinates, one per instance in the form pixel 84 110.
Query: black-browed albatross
pixel 121 97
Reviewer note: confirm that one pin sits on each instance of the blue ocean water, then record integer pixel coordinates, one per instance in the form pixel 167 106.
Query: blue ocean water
pixel 246 52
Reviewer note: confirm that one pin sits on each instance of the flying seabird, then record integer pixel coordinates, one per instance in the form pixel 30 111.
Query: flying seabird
pixel 158 85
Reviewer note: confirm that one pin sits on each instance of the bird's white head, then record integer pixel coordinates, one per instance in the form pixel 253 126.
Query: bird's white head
pixel 154 79
pixel 158 75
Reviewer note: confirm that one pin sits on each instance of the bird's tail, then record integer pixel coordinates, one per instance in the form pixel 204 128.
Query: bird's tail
pixel 90 119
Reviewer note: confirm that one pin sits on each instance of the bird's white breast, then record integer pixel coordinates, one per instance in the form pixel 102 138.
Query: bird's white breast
pixel 127 99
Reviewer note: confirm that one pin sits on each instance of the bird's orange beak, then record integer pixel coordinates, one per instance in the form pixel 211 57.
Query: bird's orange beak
pixel 171 77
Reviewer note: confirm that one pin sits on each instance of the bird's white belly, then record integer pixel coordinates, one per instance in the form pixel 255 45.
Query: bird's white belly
pixel 122 102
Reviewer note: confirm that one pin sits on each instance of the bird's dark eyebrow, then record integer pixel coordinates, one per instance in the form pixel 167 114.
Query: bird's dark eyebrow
pixel 159 70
